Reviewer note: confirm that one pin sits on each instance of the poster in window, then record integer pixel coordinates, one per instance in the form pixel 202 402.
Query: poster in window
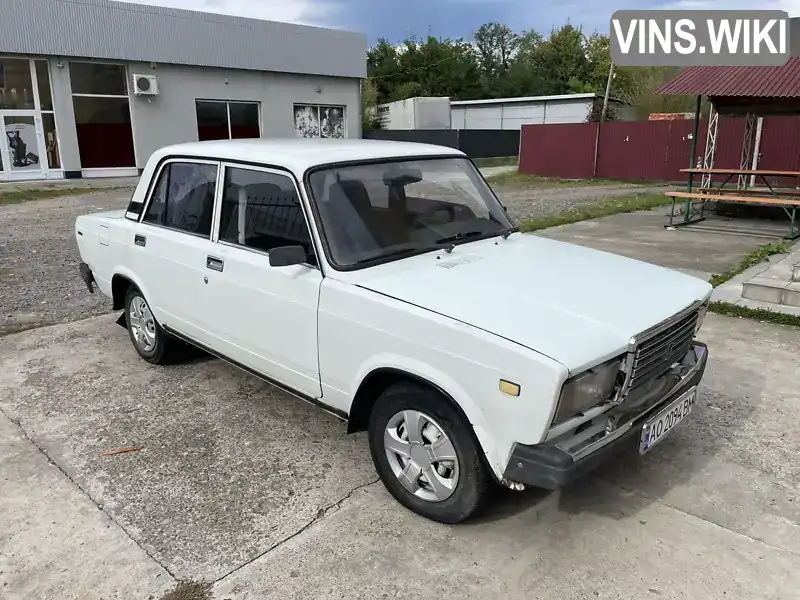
pixel 306 121
pixel 23 145
pixel 331 121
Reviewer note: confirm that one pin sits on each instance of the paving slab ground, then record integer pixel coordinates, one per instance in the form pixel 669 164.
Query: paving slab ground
pixel 696 250
pixel 54 542
pixel 242 485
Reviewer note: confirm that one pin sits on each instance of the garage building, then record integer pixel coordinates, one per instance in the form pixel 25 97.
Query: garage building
pixel 513 113
pixel 90 88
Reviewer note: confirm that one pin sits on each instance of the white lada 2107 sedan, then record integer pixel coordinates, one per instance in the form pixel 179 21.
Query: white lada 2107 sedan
pixel 385 282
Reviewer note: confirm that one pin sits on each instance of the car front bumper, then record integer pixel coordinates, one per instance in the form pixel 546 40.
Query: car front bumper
pixel 550 467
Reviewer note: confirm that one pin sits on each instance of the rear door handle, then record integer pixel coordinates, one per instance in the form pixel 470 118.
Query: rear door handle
pixel 140 240
pixel 214 263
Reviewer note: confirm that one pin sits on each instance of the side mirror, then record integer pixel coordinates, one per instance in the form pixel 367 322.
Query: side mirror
pixel 286 256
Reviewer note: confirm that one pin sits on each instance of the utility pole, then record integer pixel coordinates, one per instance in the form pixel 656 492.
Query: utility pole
pixel 608 92
pixel 602 118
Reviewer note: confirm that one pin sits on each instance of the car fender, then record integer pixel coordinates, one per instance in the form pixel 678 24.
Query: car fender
pixel 125 272
pixel 446 384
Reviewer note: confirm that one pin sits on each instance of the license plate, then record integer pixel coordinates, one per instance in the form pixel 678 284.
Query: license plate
pixel 657 428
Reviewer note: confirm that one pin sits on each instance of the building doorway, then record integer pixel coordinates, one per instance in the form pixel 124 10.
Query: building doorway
pixel 28 140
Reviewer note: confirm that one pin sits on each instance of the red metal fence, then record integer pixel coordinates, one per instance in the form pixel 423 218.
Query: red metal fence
pixel 650 150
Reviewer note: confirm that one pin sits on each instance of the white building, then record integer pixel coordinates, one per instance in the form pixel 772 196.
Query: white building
pixel 93 87
pixel 513 113
pixel 415 113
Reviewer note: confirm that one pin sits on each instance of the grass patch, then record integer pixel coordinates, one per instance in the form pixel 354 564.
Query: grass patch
pixel 499 161
pixel 759 255
pixel 19 196
pixel 603 208
pixel 189 590
pixel 517 179
pixel 758 314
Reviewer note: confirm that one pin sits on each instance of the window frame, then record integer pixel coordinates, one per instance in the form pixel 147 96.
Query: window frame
pixel 227 104
pixel 319 120
pixel 154 188
pixel 224 166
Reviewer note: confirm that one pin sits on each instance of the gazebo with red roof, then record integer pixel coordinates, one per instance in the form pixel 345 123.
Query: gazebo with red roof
pixel 751 91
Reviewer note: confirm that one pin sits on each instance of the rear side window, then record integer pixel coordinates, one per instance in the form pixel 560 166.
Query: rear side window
pixel 183 198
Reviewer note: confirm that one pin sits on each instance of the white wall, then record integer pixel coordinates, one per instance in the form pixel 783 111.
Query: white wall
pixel 512 115
pixel 171 116
pixel 416 113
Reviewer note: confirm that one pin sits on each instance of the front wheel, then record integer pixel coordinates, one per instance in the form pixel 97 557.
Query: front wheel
pixel 427 455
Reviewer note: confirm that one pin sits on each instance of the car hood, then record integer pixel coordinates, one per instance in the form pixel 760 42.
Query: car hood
pixel 576 305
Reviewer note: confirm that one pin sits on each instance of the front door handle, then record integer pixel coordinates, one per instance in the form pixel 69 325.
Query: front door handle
pixel 140 240
pixel 214 263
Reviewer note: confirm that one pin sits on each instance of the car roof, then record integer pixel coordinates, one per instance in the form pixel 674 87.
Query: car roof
pixel 300 154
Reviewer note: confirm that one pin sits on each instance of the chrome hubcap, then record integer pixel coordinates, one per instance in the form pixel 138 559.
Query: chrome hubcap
pixel 142 324
pixel 421 455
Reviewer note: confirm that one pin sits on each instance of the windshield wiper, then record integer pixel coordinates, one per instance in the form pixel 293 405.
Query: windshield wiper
pixel 400 253
pixel 459 237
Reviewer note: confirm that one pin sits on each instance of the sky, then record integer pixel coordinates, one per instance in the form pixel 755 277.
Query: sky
pixel 397 19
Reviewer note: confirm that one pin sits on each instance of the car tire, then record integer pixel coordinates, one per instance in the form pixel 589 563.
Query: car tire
pixel 446 491
pixel 151 342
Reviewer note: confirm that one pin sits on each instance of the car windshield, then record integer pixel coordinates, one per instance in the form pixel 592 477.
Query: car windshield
pixel 398 208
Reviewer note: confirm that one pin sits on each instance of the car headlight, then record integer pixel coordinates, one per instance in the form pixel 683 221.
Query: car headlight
pixel 701 315
pixel 587 389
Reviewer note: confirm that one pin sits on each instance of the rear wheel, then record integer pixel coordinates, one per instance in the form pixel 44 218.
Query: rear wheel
pixel 427 455
pixel 150 341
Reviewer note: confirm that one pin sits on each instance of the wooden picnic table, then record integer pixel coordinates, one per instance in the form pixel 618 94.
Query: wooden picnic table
pixel 765 172
pixel 786 199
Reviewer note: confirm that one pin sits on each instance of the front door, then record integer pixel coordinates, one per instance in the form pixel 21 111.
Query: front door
pixel 22 146
pixel 265 317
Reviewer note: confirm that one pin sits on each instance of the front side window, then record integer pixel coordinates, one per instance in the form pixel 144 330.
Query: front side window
pixel 392 209
pixel 261 211
pixel 183 198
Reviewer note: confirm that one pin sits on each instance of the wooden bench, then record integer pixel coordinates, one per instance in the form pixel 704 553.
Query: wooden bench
pixel 738 197
pixel 766 193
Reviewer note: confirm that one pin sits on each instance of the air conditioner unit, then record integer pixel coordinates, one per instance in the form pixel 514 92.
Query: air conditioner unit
pixel 145 85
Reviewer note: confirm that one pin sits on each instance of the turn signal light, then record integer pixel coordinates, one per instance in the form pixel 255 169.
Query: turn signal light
pixel 507 387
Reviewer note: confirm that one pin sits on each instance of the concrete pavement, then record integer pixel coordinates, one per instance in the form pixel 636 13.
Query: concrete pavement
pixel 54 542
pixel 244 486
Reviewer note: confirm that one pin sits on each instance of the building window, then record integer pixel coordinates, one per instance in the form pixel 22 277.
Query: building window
pixel 48 116
pixel 313 121
pixel 222 120
pixel 102 115
pixel 16 84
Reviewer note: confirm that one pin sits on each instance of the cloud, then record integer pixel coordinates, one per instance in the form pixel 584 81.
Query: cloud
pixel 790 6
pixel 307 12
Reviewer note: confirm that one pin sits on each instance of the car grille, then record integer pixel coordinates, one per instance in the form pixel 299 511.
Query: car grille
pixel 657 353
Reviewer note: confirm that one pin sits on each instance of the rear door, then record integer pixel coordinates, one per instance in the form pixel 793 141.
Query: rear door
pixel 265 316
pixel 172 242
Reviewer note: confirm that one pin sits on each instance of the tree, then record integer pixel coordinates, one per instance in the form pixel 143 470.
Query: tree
pixel 524 73
pixel 495 46
pixel 562 60
pixel 596 109
pixel 383 68
pixel 369 105
pixel 427 67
